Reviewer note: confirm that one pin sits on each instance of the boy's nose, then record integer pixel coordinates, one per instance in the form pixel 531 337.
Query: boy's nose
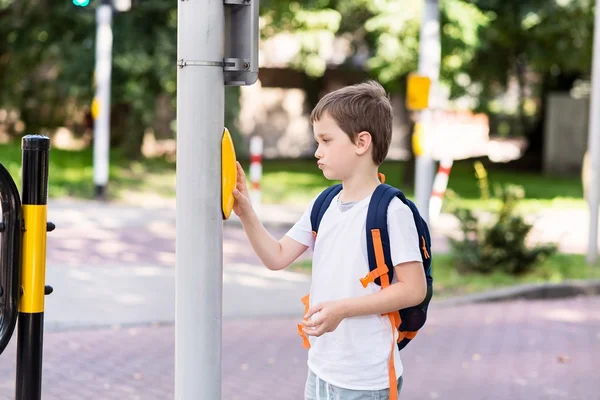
pixel 318 153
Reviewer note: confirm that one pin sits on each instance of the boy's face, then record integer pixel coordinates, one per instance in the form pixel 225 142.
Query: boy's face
pixel 336 154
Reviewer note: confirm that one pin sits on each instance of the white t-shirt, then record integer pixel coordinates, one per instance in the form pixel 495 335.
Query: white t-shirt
pixel 356 355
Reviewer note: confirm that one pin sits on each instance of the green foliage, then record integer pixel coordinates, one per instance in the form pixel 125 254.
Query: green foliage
pixel 47 53
pixel 47 64
pixel 533 43
pixel 313 23
pixel 540 45
pixel 501 246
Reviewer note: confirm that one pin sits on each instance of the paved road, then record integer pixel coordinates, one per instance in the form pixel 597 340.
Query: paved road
pixel 109 324
pixel 536 350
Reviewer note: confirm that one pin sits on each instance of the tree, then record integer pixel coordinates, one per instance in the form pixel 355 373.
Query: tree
pixel 47 59
pixel 544 45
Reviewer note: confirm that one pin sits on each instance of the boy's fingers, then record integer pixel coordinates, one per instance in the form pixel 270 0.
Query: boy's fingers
pixel 241 185
pixel 318 331
pixel 312 310
pixel 238 195
pixel 240 170
pixel 312 323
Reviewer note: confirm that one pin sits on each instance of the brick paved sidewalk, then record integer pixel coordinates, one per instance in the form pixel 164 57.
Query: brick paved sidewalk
pixel 515 350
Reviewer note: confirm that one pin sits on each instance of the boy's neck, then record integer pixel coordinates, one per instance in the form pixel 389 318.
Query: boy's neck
pixel 359 186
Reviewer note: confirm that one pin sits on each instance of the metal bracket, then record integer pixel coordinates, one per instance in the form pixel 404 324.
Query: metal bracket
pixel 228 64
pixel 237 2
pixel 241 42
pixel 240 62
pixel 193 63
pixel 236 64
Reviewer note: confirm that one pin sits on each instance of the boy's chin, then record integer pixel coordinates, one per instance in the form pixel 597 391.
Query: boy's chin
pixel 330 176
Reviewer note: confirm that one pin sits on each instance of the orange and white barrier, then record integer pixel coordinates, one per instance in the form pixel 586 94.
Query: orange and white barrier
pixel 256 151
pixel 440 184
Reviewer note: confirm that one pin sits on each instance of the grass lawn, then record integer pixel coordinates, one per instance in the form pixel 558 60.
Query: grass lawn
pixel 72 173
pixel 448 282
pixel 298 181
pixel 285 182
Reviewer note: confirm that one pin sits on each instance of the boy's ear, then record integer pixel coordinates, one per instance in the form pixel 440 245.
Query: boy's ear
pixel 363 142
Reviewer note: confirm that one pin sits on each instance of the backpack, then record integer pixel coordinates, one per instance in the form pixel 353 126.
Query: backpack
pixel 408 321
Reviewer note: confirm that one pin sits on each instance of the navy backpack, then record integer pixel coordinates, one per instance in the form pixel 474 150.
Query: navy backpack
pixel 408 321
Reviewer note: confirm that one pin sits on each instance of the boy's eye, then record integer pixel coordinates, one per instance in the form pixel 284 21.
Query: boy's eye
pixel 325 140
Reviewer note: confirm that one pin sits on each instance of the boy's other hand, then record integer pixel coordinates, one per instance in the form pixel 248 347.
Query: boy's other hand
pixel 330 315
pixel 242 202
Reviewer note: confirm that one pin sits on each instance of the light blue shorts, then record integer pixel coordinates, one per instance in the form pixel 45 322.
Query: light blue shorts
pixel 317 389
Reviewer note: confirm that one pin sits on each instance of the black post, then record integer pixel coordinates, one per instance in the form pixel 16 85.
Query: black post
pixel 30 332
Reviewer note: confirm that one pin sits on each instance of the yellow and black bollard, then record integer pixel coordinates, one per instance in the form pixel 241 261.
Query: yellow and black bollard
pixel 30 329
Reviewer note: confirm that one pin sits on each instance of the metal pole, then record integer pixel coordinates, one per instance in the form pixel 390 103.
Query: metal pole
pixel 104 39
pixel 30 331
pixel 594 144
pixel 199 244
pixel 429 65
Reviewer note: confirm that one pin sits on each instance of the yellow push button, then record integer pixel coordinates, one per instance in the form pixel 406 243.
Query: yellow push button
pixel 228 173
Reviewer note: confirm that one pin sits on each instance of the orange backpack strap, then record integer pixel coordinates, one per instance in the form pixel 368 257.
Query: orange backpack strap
pixel 393 316
pixel 408 321
pixel 305 342
pixel 412 318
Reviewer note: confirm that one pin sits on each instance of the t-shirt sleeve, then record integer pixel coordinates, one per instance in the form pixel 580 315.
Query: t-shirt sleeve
pixel 301 232
pixel 404 239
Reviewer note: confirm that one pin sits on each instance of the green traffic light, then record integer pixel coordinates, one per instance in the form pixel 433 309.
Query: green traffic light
pixel 81 3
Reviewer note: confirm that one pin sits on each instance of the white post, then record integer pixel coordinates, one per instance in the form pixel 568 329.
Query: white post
pixel 594 144
pixel 199 244
pixel 429 65
pixel 102 74
pixel 256 151
pixel 440 184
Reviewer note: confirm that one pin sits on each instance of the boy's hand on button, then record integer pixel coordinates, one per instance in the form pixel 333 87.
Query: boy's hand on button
pixel 242 199
pixel 329 316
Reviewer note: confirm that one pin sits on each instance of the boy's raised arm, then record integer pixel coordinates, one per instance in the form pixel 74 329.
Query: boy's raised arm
pixel 275 254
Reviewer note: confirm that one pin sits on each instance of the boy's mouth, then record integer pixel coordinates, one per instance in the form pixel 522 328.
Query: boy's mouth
pixel 320 165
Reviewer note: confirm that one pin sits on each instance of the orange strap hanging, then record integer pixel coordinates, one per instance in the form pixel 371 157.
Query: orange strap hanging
pixel 305 341
pixel 394 316
pixel 392 368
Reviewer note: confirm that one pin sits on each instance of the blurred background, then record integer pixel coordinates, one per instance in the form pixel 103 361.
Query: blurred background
pixel 511 111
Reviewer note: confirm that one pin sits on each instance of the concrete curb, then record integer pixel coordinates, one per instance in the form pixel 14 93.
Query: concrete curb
pixel 543 291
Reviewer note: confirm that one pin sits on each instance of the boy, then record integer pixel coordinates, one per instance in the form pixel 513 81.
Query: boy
pixel 351 339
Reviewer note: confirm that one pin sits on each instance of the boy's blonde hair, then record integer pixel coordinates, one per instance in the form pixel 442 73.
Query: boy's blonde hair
pixel 361 107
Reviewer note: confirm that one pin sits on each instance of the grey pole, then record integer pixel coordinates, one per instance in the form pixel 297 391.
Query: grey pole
pixel 199 246
pixel 594 144
pixel 429 65
pixel 102 73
